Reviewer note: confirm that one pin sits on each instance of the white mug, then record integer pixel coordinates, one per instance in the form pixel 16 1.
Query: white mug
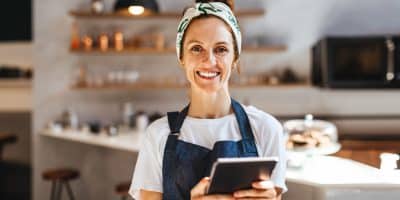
pixel 141 123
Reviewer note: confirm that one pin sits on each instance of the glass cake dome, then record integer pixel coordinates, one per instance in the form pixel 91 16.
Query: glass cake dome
pixel 311 136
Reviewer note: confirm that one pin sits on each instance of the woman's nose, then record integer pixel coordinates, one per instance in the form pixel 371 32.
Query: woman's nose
pixel 210 59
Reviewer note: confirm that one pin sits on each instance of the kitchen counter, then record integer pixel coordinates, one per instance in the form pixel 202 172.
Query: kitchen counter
pixel 320 178
pixel 129 141
pixel 15 96
pixel 328 177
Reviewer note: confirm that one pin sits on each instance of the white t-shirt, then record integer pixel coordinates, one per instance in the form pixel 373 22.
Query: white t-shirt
pixel 205 132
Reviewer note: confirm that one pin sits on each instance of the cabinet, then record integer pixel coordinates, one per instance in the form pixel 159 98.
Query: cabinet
pixel 368 151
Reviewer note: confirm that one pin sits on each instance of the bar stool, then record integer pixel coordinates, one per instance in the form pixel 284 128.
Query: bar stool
pixel 122 190
pixel 60 177
pixel 6 138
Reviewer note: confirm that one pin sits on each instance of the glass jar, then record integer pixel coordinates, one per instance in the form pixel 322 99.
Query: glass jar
pixel 311 136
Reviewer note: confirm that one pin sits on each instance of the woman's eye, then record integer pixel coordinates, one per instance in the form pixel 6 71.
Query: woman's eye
pixel 221 50
pixel 196 49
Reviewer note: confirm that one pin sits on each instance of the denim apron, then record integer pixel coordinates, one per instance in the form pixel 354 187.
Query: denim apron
pixel 185 164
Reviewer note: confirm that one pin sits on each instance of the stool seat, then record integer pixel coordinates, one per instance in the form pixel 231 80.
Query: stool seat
pixel 60 177
pixel 122 189
pixel 60 174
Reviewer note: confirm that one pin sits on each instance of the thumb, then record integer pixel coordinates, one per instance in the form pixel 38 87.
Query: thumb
pixel 201 187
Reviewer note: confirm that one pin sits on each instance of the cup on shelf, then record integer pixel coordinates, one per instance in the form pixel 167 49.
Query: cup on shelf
pixel 127 113
pixel 95 127
pixel 141 122
pixel 97 6
pixel 118 41
pixel 69 119
pixel 55 127
pixel 87 43
pixel 131 76
pixel 111 130
pixel 103 42
pixel 389 161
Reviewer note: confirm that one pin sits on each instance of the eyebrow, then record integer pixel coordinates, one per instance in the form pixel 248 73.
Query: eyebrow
pixel 222 42
pixel 196 41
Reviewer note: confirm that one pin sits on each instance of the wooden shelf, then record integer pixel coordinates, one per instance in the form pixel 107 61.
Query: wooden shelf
pixel 266 49
pixel 124 51
pixel 136 86
pixel 155 86
pixel 164 15
pixel 15 83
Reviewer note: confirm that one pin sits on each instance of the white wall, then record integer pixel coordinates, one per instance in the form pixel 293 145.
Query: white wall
pixel 296 23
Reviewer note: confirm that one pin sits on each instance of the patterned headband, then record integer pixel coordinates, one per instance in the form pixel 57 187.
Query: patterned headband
pixel 212 8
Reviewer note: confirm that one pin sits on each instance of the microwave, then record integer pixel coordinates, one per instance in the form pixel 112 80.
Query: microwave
pixel 356 62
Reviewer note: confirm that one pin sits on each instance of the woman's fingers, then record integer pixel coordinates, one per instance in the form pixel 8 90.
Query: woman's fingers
pixel 217 197
pixel 269 193
pixel 201 188
pixel 198 192
pixel 261 189
pixel 263 185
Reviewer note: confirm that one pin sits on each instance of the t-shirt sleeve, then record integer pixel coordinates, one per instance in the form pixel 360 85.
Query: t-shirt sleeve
pixel 279 175
pixel 272 144
pixel 148 170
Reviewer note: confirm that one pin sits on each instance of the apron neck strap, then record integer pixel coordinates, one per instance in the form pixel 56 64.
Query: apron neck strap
pixel 243 120
pixel 176 119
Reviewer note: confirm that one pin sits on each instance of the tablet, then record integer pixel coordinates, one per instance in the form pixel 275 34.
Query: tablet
pixel 231 174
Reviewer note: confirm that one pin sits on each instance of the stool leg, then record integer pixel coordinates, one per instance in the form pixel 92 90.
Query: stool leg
pixel 59 191
pixel 53 189
pixel 69 191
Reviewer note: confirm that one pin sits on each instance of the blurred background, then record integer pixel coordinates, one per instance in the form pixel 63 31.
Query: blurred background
pixel 80 80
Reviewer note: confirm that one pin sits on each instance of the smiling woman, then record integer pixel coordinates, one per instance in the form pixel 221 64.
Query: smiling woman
pixel 208 55
pixel 179 150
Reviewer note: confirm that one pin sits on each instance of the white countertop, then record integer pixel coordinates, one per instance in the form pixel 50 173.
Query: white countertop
pixel 332 178
pixel 330 171
pixel 15 95
pixel 129 141
pixel 318 171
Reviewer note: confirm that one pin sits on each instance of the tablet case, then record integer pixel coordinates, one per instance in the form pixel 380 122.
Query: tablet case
pixel 233 174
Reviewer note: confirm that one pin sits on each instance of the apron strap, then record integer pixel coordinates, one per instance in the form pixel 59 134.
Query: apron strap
pixel 176 119
pixel 172 122
pixel 248 142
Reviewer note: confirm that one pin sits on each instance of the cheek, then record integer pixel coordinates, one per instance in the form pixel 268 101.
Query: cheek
pixel 227 62
pixel 188 68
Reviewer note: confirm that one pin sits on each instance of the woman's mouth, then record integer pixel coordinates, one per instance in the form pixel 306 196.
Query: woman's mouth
pixel 208 75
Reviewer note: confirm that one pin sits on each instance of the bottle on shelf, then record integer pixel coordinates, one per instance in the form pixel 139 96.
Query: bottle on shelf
pixel 118 41
pixel 97 6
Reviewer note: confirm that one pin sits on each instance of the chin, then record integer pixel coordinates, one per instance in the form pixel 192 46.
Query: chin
pixel 210 88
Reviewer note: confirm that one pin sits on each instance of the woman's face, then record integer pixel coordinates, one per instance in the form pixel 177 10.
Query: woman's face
pixel 208 54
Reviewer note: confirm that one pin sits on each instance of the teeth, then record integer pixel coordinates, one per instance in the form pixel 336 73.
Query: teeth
pixel 208 74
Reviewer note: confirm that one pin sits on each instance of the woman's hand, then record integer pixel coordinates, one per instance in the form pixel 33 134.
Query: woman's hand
pixel 199 192
pixel 261 190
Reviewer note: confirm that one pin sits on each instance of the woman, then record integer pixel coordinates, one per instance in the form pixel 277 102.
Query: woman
pixel 178 150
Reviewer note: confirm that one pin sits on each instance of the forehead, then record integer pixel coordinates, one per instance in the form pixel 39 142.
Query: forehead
pixel 208 30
